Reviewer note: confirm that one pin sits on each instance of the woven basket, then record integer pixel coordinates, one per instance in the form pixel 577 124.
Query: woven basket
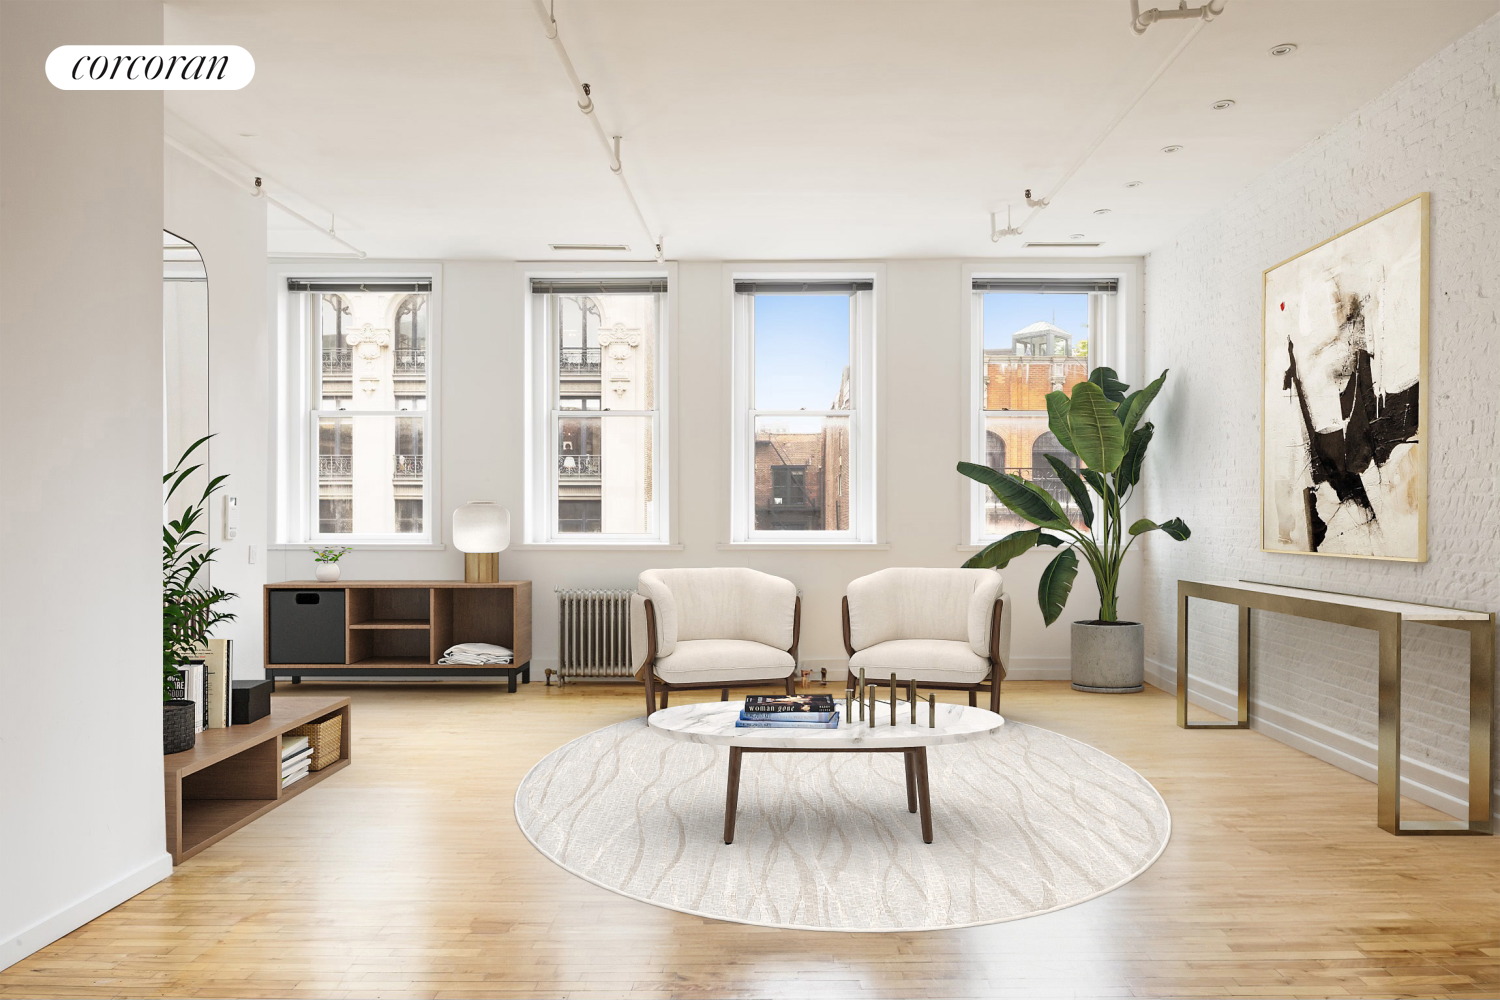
pixel 325 738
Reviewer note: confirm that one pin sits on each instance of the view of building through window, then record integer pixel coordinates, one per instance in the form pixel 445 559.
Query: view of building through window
pixel 604 393
pixel 372 411
pixel 1034 343
pixel 802 411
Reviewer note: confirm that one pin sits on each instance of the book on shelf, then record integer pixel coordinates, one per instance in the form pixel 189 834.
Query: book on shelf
pixel 217 670
pixel 296 775
pixel 767 703
pixel 788 723
pixel 292 745
pixel 786 716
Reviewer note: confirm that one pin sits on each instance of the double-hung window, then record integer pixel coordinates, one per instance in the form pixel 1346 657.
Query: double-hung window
pixel 598 469
pixel 367 472
pixel 804 418
pixel 1030 336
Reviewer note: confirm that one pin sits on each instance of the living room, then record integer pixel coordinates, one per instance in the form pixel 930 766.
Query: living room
pixel 594 440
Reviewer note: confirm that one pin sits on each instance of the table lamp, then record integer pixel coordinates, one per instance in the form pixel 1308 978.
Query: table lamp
pixel 481 531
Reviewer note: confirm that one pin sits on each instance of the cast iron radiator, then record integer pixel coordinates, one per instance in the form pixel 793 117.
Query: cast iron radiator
pixel 593 633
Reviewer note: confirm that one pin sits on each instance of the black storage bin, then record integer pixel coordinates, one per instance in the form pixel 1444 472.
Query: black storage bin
pixel 307 626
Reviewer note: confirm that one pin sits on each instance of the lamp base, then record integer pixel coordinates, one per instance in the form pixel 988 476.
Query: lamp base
pixel 481 567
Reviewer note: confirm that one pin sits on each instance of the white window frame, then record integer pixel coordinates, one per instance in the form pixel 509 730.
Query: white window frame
pixel 865 508
pixel 1117 347
pixel 297 404
pixel 540 515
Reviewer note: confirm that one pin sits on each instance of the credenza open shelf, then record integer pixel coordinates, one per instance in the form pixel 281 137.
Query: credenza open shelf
pixel 400 628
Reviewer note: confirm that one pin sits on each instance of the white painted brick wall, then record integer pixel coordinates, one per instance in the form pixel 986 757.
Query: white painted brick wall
pixel 1436 130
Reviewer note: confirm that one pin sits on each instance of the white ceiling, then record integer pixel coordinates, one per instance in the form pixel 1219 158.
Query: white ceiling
pixel 775 130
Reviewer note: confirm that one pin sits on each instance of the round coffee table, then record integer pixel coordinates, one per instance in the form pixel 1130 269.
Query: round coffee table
pixel 713 723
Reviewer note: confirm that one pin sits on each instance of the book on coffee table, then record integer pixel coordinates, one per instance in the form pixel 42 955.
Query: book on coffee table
pixel 787 721
pixel 762 703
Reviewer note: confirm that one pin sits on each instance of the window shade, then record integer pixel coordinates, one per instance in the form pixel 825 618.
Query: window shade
pixel 803 287
pixel 1058 286
pixel 344 285
pixel 598 286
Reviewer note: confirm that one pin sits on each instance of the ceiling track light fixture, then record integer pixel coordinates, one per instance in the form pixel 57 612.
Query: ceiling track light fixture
pixel 1284 49
pixel 1140 20
pixel 995 232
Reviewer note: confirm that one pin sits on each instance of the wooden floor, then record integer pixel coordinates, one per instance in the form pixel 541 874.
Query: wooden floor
pixel 406 876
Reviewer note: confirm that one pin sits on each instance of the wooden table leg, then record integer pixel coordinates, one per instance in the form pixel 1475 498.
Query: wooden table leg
pixel 732 793
pixel 923 798
pixel 911 782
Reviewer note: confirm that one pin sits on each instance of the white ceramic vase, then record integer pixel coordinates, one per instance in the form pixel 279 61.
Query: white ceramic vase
pixel 328 572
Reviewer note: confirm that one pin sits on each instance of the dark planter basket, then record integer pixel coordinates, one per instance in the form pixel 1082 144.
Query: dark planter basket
pixel 177 731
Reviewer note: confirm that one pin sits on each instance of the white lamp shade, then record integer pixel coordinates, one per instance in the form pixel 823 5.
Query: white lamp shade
pixel 481 526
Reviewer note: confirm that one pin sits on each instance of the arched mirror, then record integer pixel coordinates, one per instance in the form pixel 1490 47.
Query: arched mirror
pixel 184 355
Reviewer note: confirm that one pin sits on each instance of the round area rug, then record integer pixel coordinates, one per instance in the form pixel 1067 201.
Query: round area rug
pixel 1025 821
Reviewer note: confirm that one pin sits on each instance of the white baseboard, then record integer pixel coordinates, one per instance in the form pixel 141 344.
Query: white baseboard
pixel 74 916
pixel 1426 784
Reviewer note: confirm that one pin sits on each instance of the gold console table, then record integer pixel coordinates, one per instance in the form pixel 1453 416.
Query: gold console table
pixel 1386 618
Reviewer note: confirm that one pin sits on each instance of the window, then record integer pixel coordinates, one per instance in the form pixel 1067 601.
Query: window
pixel 804 460
pixel 1032 337
pixel 598 462
pixel 369 475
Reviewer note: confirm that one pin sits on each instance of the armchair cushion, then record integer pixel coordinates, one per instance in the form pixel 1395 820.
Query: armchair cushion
pixel 945 661
pixel 719 603
pixel 954 605
pixel 727 660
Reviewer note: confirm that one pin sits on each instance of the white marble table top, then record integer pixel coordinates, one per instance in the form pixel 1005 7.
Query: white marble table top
pixel 713 723
pixel 1410 612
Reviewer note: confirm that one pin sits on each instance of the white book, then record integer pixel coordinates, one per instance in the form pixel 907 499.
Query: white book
pixel 296 775
pixel 301 760
pixel 193 692
pixel 293 745
pixel 216 666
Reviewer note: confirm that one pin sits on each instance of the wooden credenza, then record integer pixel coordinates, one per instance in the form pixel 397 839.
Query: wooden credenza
pixel 400 628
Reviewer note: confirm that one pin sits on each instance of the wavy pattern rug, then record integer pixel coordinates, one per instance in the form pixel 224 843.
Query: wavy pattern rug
pixel 1026 821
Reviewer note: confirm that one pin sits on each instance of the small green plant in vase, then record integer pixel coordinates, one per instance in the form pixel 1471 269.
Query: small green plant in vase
pixel 328 561
pixel 1101 424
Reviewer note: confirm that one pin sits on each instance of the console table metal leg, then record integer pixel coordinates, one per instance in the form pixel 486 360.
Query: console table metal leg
pixel 732 793
pixel 1388 754
pixel 1242 707
pixel 924 800
pixel 1481 722
pixel 911 782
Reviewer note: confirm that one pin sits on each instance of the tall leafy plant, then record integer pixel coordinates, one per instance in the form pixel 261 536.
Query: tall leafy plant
pixel 1101 424
pixel 189 610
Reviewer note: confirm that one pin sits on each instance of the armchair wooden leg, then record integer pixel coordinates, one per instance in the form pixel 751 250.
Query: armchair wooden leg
pixel 724 695
pixel 790 688
pixel 995 695
pixel 650 691
pixel 664 690
pixel 973 697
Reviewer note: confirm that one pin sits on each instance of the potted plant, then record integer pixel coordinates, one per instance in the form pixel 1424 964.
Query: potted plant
pixel 328 561
pixel 1100 423
pixel 189 611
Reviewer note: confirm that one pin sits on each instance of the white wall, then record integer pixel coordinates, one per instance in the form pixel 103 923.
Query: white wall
pixel 921 341
pixel 80 515
pixel 1314 685
pixel 229 229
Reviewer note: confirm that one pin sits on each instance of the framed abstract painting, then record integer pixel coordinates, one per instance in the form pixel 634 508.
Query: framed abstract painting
pixel 1344 395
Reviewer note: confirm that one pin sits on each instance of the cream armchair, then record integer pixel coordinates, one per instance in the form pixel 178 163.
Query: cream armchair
pixel 943 628
pixel 713 628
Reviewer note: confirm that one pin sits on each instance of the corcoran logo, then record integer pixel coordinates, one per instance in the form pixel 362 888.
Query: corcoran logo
pixel 150 67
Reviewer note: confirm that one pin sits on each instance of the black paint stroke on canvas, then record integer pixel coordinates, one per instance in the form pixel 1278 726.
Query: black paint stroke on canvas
pixel 1374 424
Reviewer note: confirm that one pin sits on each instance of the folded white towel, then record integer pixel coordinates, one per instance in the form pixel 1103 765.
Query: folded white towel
pixel 476 649
pixel 474 661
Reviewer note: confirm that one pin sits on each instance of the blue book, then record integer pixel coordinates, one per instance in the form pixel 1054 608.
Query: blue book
pixel 743 723
pixel 786 716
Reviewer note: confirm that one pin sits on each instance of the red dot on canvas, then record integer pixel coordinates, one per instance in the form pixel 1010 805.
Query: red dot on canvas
pixel 1283 307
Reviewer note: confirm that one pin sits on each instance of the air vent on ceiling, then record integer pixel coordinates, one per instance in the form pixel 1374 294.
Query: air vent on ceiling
pixel 1070 245
pixel 593 247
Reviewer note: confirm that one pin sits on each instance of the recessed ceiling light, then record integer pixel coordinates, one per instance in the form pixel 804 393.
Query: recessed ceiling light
pixel 1284 49
pixel 1076 236
pixel 1132 184
pixel 1223 105
pixel 1171 149
pixel 249 135
pixel 1101 211
pixel 592 247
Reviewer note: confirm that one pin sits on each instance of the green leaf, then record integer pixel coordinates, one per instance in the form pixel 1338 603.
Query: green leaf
pixel 1096 433
pixel 1108 383
pixel 1175 528
pixel 997 555
pixel 1095 480
pixel 1134 406
pixel 1056 584
pixel 1031 503
pixel 1057 418
pixel 1129 472
pixel 1075 488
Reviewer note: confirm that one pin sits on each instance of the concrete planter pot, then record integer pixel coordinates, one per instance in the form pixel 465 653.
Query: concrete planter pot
pixel 1109 657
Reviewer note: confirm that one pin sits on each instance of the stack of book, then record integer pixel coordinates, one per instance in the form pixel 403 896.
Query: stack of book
pixel 789 711
pixel 296 755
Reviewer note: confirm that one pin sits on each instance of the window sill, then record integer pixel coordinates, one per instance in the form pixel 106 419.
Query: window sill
pixel 800 546
pixel 597 547
pixel 360 546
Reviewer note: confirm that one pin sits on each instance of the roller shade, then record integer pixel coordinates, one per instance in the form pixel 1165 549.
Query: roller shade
pixel 599 286
pixel 344 285
pixel 1056 286
pixel 803 287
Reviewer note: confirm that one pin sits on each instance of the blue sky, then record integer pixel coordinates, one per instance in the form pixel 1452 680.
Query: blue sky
pixel 1007 312
pixel 801 350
